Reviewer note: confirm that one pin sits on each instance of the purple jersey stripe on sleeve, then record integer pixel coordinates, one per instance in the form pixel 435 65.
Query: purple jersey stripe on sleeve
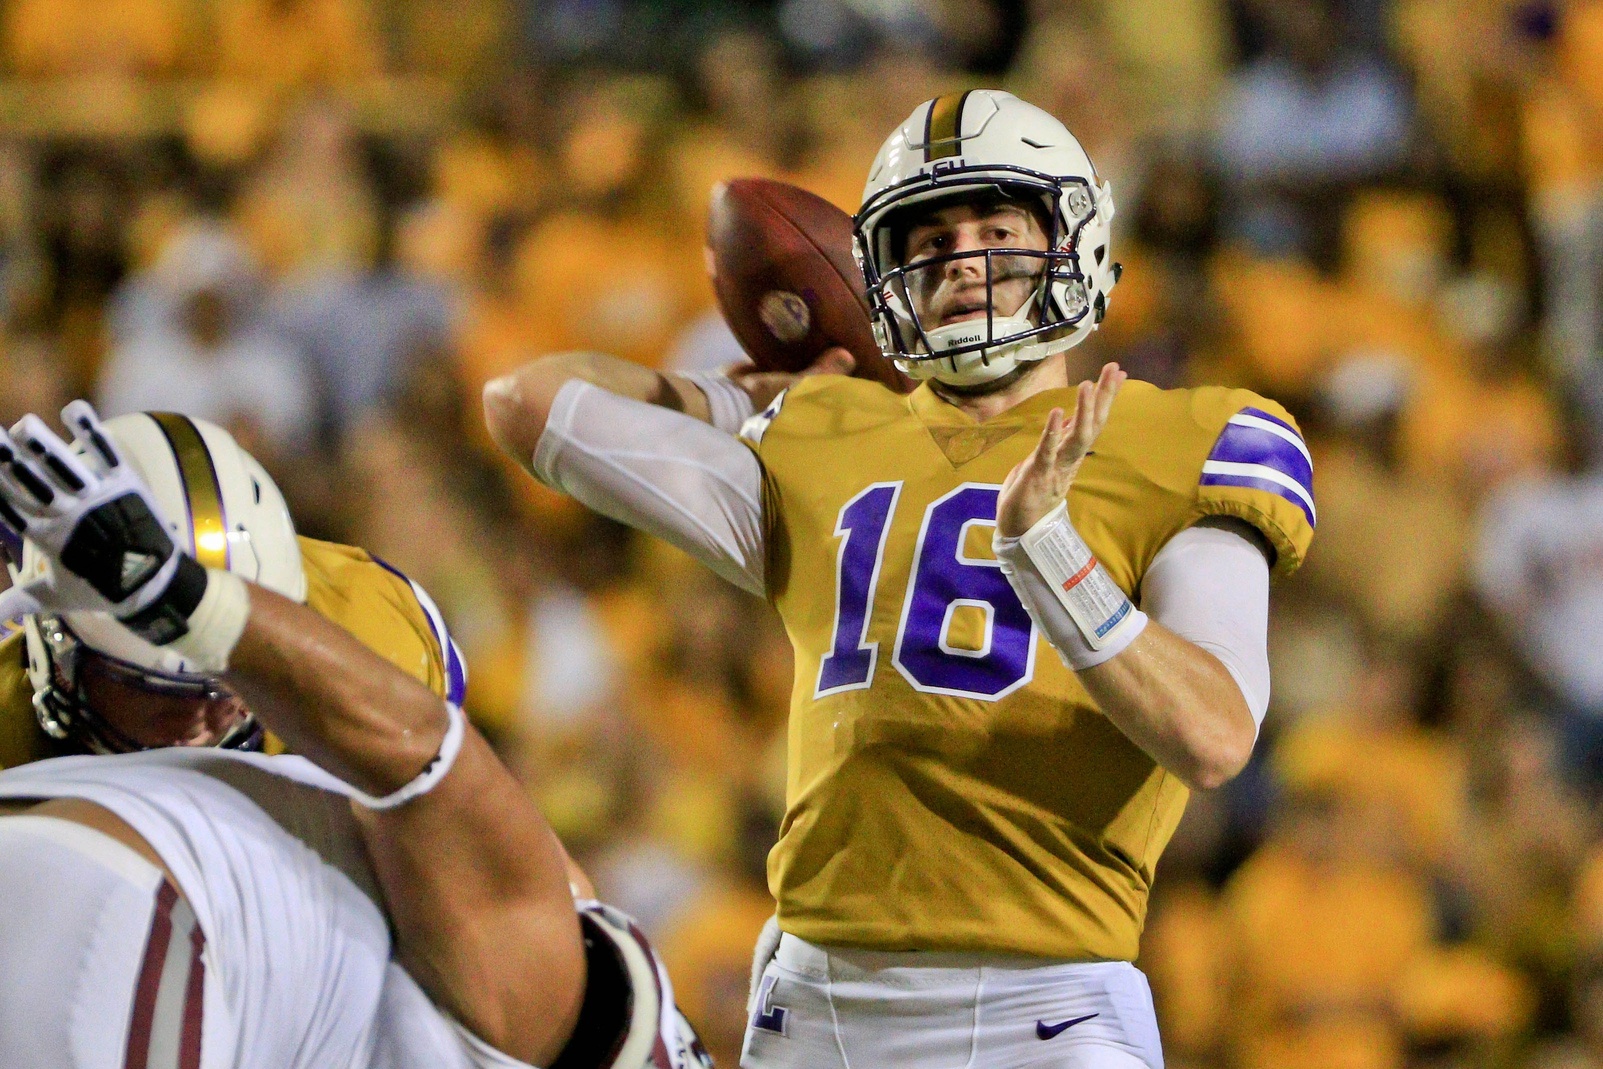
pixel 456 676
pixel 1253 445
pixel 1243 443
pixel 1267 485
pixel 1261 414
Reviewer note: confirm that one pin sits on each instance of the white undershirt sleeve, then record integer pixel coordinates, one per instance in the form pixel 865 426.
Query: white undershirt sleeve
pixel 728 405
pixel 660 471
pixel 1210 586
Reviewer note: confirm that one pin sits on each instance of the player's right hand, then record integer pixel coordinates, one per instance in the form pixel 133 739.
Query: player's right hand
pixel 90 514
pixel 763 386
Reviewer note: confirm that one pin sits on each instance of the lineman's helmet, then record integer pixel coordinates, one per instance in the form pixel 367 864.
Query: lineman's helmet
pixel 987 144
pixel 223 509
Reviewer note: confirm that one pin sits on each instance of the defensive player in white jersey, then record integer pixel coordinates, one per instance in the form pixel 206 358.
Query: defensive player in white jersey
pixel 200 908
pixel 972 824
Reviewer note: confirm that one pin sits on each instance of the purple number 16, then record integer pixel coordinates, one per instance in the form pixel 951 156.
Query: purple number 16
pixel 944 578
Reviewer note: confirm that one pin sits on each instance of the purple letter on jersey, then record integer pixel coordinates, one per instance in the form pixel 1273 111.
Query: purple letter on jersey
pixel 1257 450
pixel 943 578
pixel 863 523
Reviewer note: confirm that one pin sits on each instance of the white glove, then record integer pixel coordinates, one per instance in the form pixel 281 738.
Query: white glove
pixel 93 517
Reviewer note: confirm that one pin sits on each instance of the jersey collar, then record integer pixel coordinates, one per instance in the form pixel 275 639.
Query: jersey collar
pixel 934 411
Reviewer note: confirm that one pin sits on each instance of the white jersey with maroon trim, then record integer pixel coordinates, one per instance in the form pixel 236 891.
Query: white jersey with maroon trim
pixel 654 1034
pixel 297 951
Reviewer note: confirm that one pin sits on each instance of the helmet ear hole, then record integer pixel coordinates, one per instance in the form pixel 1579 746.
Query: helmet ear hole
pixel 1101 254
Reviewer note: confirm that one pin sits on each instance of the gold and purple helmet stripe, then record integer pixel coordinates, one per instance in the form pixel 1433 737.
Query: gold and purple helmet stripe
pixel 943 127
pixel 203 491
pixel 1260 451
pixel 164 1029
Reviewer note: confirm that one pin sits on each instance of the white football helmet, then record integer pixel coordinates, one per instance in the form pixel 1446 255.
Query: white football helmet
pixel 986 143
pixel 222 508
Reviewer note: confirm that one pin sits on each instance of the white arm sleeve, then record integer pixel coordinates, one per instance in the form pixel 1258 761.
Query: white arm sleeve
pixel 660 471
pixel 1210 586
pixel 729 405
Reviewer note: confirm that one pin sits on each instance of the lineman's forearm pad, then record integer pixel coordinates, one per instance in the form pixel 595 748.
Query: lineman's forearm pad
pixel 215 623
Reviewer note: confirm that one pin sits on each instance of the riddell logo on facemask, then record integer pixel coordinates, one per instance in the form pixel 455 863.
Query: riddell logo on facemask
pixel 967 339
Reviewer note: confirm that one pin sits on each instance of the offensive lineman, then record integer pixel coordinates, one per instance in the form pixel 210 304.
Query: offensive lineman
pixel 972 827
pixel 204 907
pixel 76 686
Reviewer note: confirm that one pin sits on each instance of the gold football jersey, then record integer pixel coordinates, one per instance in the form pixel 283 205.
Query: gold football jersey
pixel 951 786
pixel 389 613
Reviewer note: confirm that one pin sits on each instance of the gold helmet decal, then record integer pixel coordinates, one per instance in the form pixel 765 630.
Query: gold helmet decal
pixel 202 490
pixel 943 127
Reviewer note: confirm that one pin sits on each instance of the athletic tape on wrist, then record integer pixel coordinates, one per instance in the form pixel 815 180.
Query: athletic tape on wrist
pixel 433 772
pixel 728 406
pixel 1093 600
pixel 216 623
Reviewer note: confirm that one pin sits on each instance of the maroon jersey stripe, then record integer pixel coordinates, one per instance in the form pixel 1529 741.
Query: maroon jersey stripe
pixel 149 983
pixel 194 1003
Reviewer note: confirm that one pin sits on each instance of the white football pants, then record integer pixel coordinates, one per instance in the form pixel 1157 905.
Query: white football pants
pixel 830 1008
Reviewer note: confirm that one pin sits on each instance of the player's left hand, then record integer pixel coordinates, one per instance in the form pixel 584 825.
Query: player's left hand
pixel 89 513
pixel 1041 480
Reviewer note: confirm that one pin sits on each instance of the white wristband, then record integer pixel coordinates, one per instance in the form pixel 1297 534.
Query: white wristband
pixel 727 404
pixel 216 624
pixel 1085 588
pixel 1048 603
pixel 432 773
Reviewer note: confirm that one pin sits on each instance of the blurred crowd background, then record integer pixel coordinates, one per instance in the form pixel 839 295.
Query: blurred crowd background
pixel 326 223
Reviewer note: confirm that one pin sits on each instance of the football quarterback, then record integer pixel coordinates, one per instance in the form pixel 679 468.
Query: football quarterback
pixel 395 901
pixel 973 823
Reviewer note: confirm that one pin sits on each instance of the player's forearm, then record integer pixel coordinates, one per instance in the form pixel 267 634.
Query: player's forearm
pixel 476 886
pixel 1189 682
pixel 1178 703
pixel 475 881
pixel 331 698
pixel 517 404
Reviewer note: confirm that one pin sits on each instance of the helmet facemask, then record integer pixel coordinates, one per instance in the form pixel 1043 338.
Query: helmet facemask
pixel 982 349
pixel 104 689
pixel 73 682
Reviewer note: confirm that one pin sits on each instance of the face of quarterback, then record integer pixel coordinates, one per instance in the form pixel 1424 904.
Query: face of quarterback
pixel 151 717
pixel 954 290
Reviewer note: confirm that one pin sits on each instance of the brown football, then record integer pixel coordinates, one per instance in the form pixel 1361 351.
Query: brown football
pixel 787 283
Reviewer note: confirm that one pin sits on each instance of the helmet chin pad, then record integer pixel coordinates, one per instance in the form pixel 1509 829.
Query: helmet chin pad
pixel 974 366
pixel 980 363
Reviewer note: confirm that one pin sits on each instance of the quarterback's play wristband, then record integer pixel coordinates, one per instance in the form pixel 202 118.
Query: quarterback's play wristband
pixel 1085 588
